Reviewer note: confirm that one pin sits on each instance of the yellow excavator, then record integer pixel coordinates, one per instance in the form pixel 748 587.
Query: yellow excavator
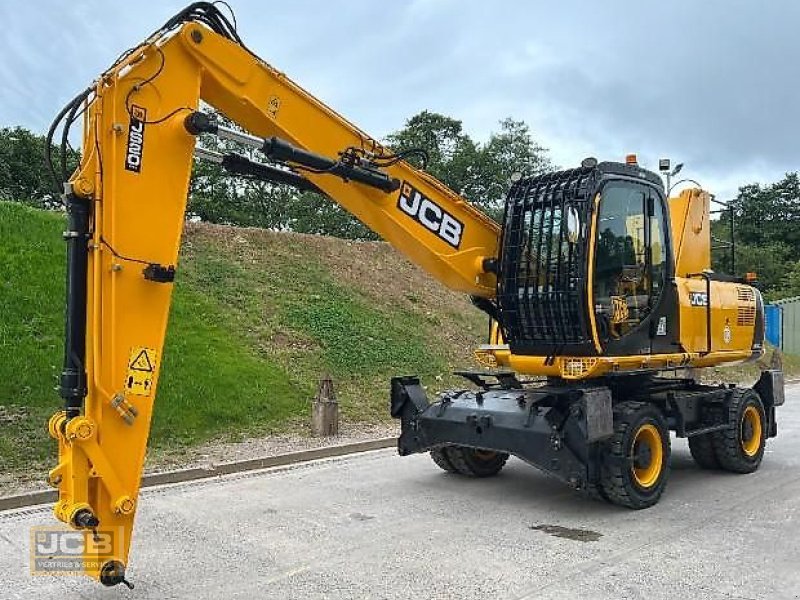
pixel 597 286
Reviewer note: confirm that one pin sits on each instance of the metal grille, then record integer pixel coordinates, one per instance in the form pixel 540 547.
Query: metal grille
pixel 746 315
pixel 540 285
pixel 745 294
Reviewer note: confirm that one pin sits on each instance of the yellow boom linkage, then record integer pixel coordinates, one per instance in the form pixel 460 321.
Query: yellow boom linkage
pixel 127 203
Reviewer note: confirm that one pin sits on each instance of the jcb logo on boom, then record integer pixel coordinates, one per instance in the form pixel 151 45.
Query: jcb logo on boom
pixel 429 214
pixel 135 149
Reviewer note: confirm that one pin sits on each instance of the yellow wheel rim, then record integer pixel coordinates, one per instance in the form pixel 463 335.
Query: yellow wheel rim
pixel 648 456
pixel 751 431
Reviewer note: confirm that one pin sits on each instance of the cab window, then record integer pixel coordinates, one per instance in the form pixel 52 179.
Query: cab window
pixel 629 257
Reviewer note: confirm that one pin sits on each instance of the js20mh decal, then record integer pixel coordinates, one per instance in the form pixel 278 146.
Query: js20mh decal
pixel 135 149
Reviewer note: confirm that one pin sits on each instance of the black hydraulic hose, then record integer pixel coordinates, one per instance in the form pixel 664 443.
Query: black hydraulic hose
pixel 65 138
pixel 58 182
pixel 282 151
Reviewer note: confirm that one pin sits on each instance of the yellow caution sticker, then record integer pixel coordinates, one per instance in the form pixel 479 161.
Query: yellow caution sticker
pixel 141 368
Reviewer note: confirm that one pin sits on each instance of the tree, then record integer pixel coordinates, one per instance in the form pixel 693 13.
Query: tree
pixel 23 174
pixel 768 262
pixel 479 172
pixel 511 150
pixel 767 234
pixel 452 155
pixel 789 285
pixel 769 214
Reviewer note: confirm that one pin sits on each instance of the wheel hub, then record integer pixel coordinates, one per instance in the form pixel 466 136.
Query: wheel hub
pixel 751 431
pixel 647 456
pixel 747 431
pixel 642 456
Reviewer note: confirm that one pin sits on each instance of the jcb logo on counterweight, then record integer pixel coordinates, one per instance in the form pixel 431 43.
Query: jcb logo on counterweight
pixel 429 214
pixel 698 299
pixel 135 149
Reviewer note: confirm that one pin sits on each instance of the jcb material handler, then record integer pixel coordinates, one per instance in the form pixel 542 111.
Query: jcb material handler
pixel 595 284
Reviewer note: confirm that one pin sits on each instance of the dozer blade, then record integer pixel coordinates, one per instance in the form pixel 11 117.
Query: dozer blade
pixel 554 428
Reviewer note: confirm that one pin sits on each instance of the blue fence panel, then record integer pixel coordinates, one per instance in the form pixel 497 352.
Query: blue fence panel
pixel 772 313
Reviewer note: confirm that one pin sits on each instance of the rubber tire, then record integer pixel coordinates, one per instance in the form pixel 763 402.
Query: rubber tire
pixel 617 480
pixel 467 462
pixel 596 492
pixel 703 453
pixel 439 456
pixel 727 442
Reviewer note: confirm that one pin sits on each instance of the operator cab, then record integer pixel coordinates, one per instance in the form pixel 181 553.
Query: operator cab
pixel 585 263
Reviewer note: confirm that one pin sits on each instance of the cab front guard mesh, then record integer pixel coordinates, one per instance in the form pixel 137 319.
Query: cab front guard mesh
pixel 541 282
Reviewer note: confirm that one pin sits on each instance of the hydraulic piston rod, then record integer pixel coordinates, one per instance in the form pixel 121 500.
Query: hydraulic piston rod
pixel 282 151
pixel 237 164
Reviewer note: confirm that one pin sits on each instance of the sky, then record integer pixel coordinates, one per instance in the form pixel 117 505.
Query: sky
pixel 712 84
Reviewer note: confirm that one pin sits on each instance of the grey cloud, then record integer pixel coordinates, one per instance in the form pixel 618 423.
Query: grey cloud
pixel 710 83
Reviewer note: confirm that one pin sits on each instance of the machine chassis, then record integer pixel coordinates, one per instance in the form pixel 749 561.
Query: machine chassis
pixel 576 431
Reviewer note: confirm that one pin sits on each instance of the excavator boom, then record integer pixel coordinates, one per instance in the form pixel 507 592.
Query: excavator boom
pixel 126 205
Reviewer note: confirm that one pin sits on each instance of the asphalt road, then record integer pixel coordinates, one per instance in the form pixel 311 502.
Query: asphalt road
pixel 379 526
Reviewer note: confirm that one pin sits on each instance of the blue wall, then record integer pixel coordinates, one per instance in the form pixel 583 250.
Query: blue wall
pixel 772 312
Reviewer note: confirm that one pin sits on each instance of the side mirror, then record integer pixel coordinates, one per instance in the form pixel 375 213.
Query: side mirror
pixel 573 225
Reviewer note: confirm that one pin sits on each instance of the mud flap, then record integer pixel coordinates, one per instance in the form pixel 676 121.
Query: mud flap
pixel 408 401
pixel 770 388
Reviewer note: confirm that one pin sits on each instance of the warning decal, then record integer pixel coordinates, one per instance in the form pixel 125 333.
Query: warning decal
pixel 141 368
pixel 142 361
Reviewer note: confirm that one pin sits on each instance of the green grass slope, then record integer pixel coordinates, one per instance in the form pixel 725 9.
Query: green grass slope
pixel 258 317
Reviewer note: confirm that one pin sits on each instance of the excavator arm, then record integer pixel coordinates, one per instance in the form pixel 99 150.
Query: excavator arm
pixel 126 204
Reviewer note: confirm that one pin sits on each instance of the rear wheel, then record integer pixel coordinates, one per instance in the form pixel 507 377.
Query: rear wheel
pixel 703 453
pixel 740 446
pixel 474 462
pixel 636 462
pixel 439 456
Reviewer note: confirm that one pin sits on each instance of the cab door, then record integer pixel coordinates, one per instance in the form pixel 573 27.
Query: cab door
pixel 632 292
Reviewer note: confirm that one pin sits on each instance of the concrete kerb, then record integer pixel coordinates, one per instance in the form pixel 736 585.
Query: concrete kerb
pixel 191 474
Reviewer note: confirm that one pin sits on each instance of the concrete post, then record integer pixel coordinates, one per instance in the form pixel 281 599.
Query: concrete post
pixel 325 410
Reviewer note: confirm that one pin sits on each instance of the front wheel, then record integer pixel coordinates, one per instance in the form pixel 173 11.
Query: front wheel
pixel 636 458
pixel 472 462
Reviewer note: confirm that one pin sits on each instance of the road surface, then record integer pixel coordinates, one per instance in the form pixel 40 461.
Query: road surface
pixel 379 526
